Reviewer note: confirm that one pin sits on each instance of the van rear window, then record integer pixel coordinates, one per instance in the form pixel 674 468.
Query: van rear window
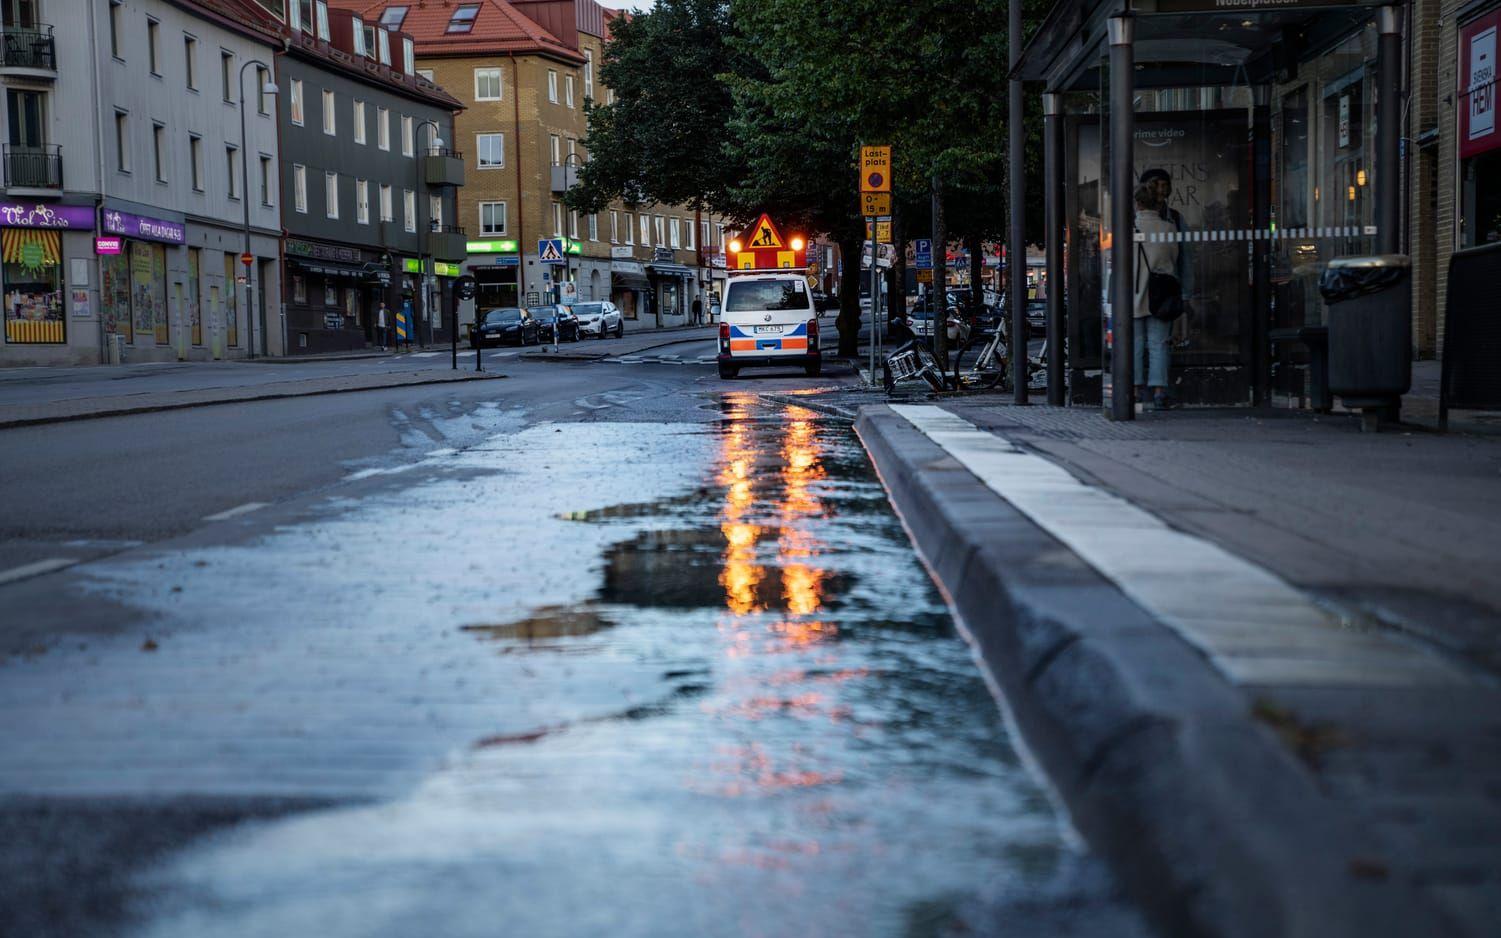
pixel 751 295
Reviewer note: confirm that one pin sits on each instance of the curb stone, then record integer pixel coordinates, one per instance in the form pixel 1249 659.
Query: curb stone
pixel 148 407
pixel 1209 823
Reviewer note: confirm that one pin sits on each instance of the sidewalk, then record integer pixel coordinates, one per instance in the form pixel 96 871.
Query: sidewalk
pixel 1257 651
pixel 86 408
pixel 593 350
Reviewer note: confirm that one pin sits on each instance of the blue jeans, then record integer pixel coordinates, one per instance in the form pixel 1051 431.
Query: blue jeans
pixel 1150 338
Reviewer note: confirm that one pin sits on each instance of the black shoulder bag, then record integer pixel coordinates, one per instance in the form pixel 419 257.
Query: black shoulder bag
pixel 1164 293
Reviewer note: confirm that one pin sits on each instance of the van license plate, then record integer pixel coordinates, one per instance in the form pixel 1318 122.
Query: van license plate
pixel 760 330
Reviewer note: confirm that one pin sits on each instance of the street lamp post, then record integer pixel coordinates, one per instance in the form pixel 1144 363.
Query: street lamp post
pixel 246 256
pixel 437 144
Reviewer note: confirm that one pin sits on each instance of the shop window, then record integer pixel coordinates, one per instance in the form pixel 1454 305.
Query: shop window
pixel 32 273
pixel 114 295
pixel 195 295
pixel 299 289
pixel 231 302
pixel 330 293
pixel 148 290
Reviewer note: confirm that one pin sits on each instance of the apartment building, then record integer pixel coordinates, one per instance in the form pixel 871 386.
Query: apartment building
pixel 367 183
pixel 129 184
pixel 523 71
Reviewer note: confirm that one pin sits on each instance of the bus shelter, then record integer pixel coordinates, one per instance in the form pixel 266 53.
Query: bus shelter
pixel 1271 127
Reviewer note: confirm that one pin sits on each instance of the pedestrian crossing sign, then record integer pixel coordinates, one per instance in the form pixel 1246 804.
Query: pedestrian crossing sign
pixel 550 250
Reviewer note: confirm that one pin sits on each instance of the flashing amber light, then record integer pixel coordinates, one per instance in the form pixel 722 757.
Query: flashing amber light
pixel 1360 177
pixel 797 243
pixel 735 246
pixel 1352 193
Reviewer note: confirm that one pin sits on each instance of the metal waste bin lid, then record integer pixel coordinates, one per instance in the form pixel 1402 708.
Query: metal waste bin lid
pixel 1349 277
pixel 1371 261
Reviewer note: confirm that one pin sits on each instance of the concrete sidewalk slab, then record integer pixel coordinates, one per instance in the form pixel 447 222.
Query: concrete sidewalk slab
pixel 30 414
pixel 1240 801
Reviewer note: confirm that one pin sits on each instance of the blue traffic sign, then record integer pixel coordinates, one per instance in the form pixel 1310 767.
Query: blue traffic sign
pixel 550 251
pixel 923 249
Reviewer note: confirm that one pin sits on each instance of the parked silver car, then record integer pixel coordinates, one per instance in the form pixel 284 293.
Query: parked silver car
pixel 600 318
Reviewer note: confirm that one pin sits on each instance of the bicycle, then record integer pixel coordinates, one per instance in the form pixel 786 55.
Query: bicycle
pixel 988 365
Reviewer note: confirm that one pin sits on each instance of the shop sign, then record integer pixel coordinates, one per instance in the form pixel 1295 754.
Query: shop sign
pixel 623 251
pixel 628 267
pixel 143 227
pixel 503 260
pixel 1477 86
pixel 504 246
pixel 662 255
pixel 42 215
pixel 441 268
pixel 1344 121
pixel 324 252
pixel 109 245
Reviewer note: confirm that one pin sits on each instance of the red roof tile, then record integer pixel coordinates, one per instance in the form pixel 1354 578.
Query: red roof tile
pixel 498 27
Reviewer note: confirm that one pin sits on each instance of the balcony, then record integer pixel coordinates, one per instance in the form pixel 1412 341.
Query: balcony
pixel 29 52
pixel 443 167
pixel 38 169
pixel 448 243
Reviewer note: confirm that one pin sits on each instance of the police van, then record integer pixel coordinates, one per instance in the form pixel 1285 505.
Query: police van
pixel 767 317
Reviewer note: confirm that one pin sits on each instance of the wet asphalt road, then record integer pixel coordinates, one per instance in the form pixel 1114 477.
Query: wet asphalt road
pixel 614 648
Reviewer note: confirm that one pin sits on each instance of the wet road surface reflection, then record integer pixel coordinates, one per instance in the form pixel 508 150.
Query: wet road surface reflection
pixel 802 745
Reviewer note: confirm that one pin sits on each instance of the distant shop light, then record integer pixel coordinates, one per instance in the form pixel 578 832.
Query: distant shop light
pixel 1360 177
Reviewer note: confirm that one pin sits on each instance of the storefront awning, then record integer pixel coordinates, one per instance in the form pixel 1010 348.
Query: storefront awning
pixel 670 270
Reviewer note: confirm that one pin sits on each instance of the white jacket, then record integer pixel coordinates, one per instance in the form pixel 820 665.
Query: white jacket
pixel 1161 256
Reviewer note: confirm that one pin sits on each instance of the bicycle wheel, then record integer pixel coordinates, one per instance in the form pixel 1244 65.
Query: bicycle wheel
pixel 987 378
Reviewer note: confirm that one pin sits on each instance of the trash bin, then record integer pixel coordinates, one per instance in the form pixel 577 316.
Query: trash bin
pixel 116 349
pixel 1369 300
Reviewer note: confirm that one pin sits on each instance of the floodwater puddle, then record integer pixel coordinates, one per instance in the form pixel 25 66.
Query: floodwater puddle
pixel 697 684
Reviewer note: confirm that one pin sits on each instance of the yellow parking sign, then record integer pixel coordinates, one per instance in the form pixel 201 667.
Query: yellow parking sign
pixel 873 204
pixel 875 169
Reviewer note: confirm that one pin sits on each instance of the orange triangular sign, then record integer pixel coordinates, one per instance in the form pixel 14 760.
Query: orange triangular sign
pixel 766 234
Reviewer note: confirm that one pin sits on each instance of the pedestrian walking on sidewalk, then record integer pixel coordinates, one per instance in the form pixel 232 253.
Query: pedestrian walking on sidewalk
pixel 698 311
pixel 380 326
pixel 1155 258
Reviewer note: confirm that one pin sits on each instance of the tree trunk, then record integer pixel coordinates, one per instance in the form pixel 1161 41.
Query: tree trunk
pixel 938 301
pixel 897 296
pixel 851 247
pixel 976 271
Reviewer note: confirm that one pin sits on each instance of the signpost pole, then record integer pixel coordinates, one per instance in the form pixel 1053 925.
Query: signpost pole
pixel 873 292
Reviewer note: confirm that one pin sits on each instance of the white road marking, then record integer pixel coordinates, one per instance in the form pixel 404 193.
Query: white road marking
pixel 236 511
pixel 424 354
pixel 1253 625
pixel 26 571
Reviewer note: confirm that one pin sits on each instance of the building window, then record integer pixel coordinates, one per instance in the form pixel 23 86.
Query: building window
pixel 122 141
pixel 704 236
pixel 114 30
pixel 153 49
pixel 331 194
pixel 329 116
pixel 552 86
pixel 492 218
pixel 227 67
pixel 661 241
pixel 646 231
pixel 267 177
pixel 195 160
pixel 573 147
pixel 232 166
pixel 261 80
pixel 425 73
pixel 386 211
pixel 158 151
pixel 294 100
pixel 688 233
pixel 383 128
pixel 492 150
pixel 487 84
pixel 573 224
pixel 675 233
pixel 614 227
pixel 462 20
pixel 588 74
pixel 434 212
pixel 557 149
pixel 408 137
pixel 409 210
pixel 190 61
pixel 557 219
pixel 362 201
pixel 299 288
pixel 593 227
pixel 299 187
pixel 359 122
pixel 568 90
pixel 391 18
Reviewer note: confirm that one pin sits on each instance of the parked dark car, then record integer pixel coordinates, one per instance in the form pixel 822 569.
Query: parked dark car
pixel 505 325
pixel 1037 317
pixel 556 321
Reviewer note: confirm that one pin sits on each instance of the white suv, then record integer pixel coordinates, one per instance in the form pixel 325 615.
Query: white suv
pixel 600 318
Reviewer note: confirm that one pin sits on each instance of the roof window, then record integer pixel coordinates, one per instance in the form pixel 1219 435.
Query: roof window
pixel 463 18
pixel 392 17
